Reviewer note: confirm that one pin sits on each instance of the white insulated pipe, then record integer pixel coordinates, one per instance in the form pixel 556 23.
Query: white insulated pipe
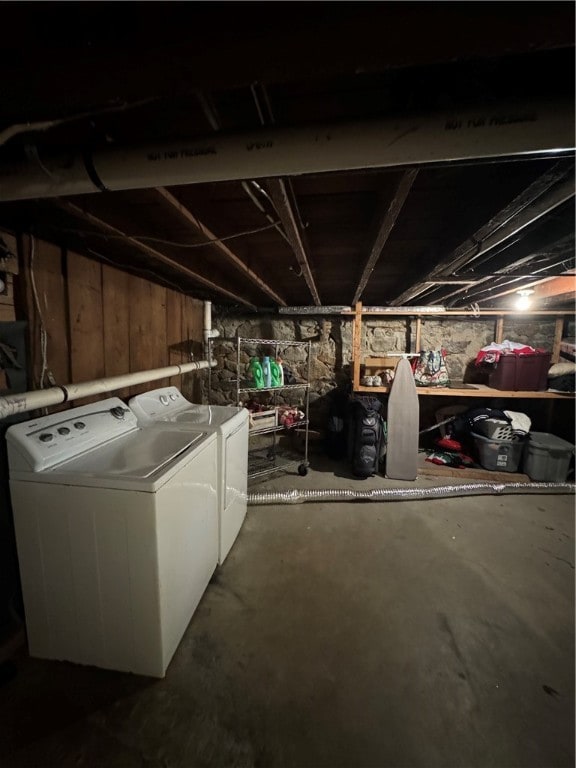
pixel 481 133
pixel 209 333
pixel 43 398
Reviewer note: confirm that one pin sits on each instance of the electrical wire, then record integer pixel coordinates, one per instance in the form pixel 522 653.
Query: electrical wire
pixel 213 241
pixel 132 268
pixel 43 334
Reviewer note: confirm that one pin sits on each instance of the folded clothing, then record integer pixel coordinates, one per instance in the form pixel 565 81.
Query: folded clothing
pixel 450 459
pixel 561 369
pixel 562 377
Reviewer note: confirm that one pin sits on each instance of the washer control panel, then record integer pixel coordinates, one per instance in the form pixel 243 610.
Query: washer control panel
pixel 42 443
pixel 159 405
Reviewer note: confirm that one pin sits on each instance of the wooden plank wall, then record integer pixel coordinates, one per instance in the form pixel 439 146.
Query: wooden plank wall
pixel 8 269
pixel 100 321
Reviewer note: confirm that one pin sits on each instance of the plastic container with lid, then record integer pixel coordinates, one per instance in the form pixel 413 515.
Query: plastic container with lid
pixel 521 372
pixel 500 455
pixel 547 457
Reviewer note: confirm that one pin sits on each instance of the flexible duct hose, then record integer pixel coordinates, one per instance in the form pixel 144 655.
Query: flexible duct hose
pixel 295 496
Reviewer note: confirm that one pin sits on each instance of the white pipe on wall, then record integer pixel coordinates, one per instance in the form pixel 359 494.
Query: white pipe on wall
pixel 209 332
pixel 43 398
pixel 485 132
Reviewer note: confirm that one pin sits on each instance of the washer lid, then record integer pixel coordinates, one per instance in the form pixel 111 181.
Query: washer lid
pixel 209 416
pixel 167 404
pixel 137 456
pixel 142 461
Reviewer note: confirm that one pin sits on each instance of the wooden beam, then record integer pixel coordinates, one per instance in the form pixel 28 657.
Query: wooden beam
pixel 418 340
pixel 387 224
pixel 530 205
pixel 558 333
pixel 279 194
pixel 556 286
pixel 405 312
pixel 152 252
pixel 201 229
pixel 547 288
pixel 356 345
pixel 499 331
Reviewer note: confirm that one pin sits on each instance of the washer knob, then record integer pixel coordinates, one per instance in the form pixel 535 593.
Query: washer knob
pixel 46 437
pixel 117 412
pixel 79 425
pixel 163 399
pixel 173 396
pixel 63 431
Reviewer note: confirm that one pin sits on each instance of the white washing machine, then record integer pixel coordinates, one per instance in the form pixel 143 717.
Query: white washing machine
pixel 117 534
pixel 168 405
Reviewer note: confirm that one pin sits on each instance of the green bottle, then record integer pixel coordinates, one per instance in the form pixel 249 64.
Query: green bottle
pixel 256 372
pixel 275 374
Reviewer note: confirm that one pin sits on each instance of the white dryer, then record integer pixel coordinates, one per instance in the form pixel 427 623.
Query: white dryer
pixel 116 531
pixel 168 405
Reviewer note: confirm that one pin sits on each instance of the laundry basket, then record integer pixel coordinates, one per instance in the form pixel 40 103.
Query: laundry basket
pixel 495 429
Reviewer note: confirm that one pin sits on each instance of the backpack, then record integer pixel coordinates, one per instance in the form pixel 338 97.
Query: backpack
pixel 366 435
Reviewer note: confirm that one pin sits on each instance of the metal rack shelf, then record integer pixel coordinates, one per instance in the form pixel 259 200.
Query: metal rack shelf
pixel 280 428
pixel 274 459
pixel 270 389
pixel 259 466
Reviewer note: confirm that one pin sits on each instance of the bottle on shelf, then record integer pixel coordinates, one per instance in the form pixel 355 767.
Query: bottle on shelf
pixel 257 373
pixel 266 371
pixel 275 374
pixel 280 371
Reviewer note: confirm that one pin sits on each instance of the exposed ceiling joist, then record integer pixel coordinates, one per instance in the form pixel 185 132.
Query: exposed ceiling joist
pixel 546 289
pixel 523 211
pixel 387 224
pixel 555 287
pixel 558 261
pixel 558 257
pixel 223 250
pixel 279 194
pixel 152 252
pixel 506 277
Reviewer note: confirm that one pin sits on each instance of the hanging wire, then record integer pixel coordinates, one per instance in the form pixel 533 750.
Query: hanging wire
pixel 132 268
pixel 213 241
pixel 43 333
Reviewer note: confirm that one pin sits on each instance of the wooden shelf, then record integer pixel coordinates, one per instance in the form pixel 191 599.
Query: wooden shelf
pixel 476 390
pixel 469 390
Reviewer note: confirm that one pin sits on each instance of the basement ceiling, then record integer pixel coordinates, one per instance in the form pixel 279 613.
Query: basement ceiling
pixel 298 154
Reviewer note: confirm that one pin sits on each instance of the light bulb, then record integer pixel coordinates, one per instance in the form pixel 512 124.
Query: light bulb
pixel 524 300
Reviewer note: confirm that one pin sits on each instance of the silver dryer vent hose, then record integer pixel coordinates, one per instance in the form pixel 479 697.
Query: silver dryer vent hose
pixel 295 496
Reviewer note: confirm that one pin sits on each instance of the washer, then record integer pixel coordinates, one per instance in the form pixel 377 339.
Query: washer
pixel 117 534
pixel 168 405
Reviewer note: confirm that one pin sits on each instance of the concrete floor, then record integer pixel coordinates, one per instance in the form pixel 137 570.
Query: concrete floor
pixel 363 635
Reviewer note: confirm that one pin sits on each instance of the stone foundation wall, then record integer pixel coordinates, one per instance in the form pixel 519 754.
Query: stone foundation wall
pixel 331 345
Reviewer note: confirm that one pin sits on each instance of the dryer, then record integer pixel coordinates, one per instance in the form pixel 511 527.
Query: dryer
pixel 116 532
pixel 168 405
